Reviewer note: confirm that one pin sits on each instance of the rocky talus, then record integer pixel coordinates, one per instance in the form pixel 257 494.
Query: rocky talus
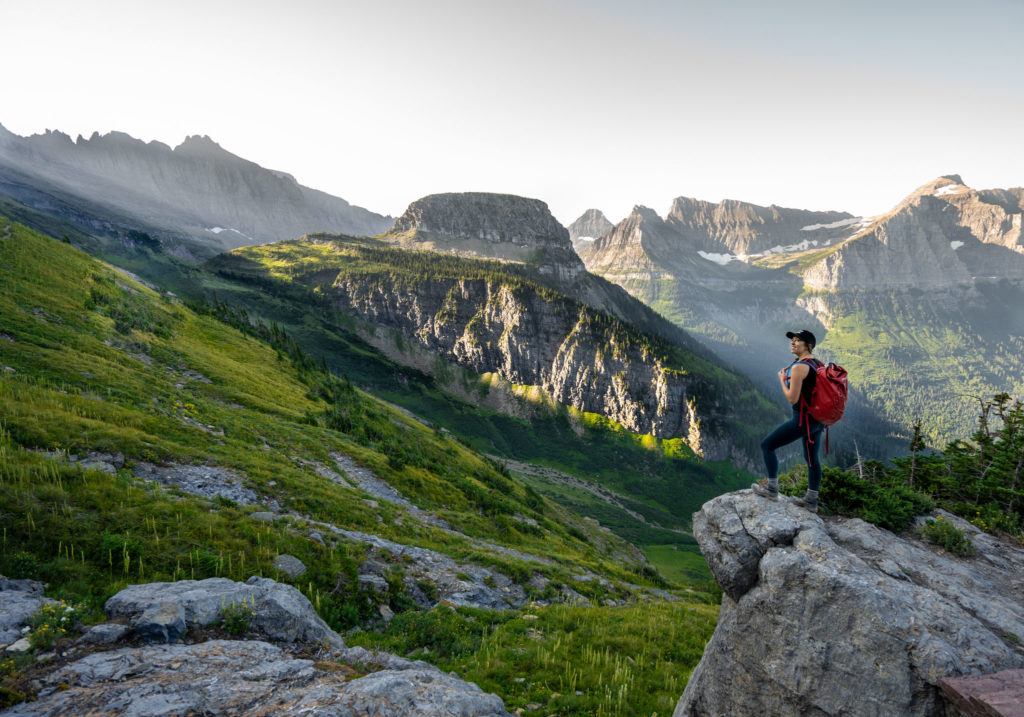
pixel 147 661
pixel 493 226
pixel 838 617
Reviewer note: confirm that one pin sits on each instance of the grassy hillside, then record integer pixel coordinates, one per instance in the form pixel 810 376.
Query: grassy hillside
pixel 284 282
pixel 92 360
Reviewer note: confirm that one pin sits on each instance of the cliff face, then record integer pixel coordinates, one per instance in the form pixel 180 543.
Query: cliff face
pixel 492 226
pixel 197 187
pixel 579 358
pixel 839 617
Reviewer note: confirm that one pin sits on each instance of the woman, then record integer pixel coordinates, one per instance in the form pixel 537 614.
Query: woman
pixel 797 382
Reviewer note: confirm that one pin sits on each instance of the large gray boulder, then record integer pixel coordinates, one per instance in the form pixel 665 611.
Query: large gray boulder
pixel 280 612
pixel 19 600
pixel 226 677
pixel 839 617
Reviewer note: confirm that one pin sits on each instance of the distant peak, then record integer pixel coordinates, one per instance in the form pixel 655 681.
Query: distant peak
pixel 952 177
pixel 199 142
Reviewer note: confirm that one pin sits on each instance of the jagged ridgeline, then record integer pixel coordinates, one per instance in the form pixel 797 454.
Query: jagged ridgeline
pixel 498 320
pixel 144 441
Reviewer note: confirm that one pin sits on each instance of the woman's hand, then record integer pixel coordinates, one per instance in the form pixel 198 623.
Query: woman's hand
pixel 782 376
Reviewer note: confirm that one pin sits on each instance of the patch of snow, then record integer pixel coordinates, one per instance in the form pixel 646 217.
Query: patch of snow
pixel 218 230
pixel 954 245
pixel 586 238
pixel 722 259
pixel 831 225
pixel 950 189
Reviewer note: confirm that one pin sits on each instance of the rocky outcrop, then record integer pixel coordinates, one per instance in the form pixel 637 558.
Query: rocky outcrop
pixel 838 617
pixel 492 226
pixel 251 677
pixel 197 187
pixel 279 612
pixel 588 228
pixel 19 600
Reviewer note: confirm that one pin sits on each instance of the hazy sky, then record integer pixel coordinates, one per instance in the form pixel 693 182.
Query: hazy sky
pixel 821 104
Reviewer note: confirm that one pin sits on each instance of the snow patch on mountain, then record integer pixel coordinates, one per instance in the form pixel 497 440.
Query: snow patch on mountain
pixel 832 225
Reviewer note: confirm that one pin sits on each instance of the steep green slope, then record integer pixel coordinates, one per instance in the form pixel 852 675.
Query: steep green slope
pixel 652 477
pixel 93 361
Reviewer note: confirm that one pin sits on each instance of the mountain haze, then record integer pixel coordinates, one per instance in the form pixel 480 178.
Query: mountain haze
pixel 197 188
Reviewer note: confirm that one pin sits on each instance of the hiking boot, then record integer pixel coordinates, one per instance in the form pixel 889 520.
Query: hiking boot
pixel 764 491
pixel 808 502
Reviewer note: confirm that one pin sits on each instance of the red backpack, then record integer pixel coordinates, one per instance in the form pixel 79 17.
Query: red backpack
pixel 828 397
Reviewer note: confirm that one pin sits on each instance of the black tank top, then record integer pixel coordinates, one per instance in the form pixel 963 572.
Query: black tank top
pixel 808 385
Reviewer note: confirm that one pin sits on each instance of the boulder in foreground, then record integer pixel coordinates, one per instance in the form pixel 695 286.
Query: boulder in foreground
pixel 838 617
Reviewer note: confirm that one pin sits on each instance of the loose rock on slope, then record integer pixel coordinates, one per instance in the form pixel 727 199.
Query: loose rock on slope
pixel 839 617
pixel 251 677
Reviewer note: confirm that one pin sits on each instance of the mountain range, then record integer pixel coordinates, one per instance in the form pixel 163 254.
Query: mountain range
pixel 918 302
pixel 921 303
pixel 197 188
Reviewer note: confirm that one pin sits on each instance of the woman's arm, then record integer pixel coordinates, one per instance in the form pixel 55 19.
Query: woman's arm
pixel 796 380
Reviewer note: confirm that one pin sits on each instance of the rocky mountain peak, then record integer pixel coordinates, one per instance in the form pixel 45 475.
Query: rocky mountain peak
pixel 201 144
pixel 943 235
pixel 588 228
pixel 495 226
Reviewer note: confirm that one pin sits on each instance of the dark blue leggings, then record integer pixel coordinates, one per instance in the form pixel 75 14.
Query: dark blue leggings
pixel 785 434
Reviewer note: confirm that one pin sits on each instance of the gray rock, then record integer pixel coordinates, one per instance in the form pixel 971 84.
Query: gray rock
pixel 373 583
pixel 251 678
pixel 206 481
pixel 106 633
pixel 840 617
pixel 484 587
pixel 19 600
pixel 369 482
pixel 20 645
pixel 281 612
pixel 161 622
pixel 289 565
pixel 264 516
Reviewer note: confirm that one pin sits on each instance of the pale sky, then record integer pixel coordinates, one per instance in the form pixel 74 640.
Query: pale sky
pixel 819 104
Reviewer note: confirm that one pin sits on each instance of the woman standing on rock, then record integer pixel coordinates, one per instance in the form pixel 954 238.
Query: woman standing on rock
pixel 797 382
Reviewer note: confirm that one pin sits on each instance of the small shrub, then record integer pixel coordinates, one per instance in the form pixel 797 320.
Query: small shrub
pixel 948 537
pixel 52 622
pixel 23 565
pixel 236 618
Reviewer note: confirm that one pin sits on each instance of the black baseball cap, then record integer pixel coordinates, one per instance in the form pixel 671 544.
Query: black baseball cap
pixel 804 335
